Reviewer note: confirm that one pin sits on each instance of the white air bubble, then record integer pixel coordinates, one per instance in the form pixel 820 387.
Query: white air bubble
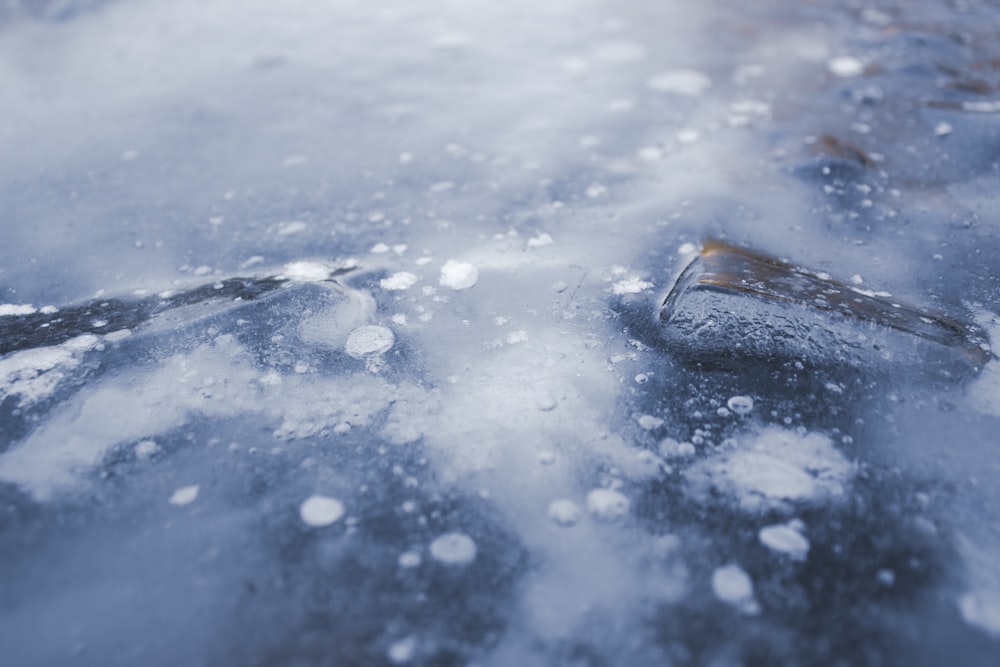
pixel 741 405
pixel 320 511
pixel 458 275
pixel 565 512
pixel 453 549
pixel 784 539
pixel 184 495
pixel 607 504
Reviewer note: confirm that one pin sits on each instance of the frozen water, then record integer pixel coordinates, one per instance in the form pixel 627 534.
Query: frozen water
pixel 328 335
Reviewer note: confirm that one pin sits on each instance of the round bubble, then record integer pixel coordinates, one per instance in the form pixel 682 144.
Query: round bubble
pixel 741 405
pixel 453 549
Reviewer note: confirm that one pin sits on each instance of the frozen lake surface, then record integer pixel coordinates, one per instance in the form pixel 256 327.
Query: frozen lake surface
pixel 329 333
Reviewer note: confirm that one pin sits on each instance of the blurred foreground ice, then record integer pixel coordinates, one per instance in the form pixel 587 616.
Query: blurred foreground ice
pixel 476 447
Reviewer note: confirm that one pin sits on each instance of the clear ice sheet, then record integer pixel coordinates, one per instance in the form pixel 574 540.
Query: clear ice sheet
pixel 476 446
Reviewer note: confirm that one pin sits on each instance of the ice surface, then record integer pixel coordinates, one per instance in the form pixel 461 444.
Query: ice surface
pixel 354 355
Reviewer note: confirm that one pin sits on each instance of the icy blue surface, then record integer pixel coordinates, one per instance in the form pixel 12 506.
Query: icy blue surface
pixel 330 333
